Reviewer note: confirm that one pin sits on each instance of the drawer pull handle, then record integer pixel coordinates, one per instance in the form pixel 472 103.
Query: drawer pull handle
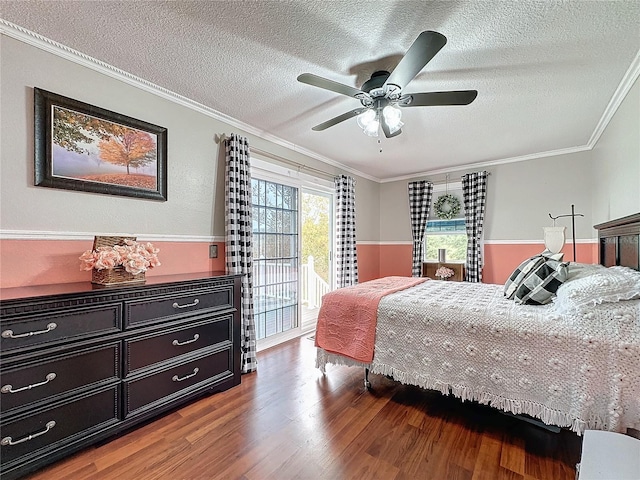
pixel 176 378
pixel 9 333
pixel 9 441
pixel 177 343
pixel 177 305
pixel 9 388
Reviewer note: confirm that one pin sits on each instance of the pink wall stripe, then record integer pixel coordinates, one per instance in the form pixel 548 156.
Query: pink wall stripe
pixel 43 262
pixel 500 260
pixel 368 262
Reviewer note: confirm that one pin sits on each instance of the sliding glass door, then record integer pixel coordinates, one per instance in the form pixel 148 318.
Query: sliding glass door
pixel 316 240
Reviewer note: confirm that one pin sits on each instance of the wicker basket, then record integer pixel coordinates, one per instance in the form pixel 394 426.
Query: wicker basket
pixel 118 275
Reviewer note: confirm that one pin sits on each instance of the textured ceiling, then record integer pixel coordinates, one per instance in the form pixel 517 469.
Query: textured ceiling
pixel 545 71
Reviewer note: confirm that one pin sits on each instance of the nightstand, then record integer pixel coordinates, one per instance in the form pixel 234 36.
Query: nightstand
pixel 429 270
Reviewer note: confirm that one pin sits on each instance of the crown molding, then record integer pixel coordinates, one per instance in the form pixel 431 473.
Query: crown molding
pixel 43 43
pixel 490 163
pixel 36 40
pixel 49 235
pixel 631 75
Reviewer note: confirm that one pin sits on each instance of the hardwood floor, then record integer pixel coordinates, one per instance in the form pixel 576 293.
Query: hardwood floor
pixel 288 421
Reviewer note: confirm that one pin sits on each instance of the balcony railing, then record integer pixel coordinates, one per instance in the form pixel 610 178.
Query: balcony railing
pixel 276 277
pixel 313 286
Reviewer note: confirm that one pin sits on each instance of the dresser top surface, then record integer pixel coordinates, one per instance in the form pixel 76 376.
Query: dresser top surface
pixel 31 291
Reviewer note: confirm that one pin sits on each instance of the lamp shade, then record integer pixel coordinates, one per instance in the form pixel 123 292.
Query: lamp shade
pixel 554 238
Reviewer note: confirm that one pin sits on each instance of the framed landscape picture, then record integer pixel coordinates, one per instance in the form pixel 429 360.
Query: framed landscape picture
pixel 82 147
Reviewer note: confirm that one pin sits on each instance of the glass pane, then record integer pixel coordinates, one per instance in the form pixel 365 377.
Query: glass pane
pixel 270 322
pixel 271 246
pixel 261 192
pixel 279 196
pixel 271 221
pixel 286 197
pixel 262 219
pixel 271 194
pixel 287 319
pixel 455 245
pixel 255 198
pixel 255 220
pixel 260 333
pixel 286 221
pixel 260 251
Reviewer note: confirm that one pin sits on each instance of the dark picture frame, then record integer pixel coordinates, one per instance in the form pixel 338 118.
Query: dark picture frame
pixel 87 148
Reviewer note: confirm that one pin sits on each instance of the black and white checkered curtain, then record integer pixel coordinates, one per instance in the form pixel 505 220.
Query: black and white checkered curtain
pixel 238 239
pixel 474 191
pixel 346 257
pixel 419 203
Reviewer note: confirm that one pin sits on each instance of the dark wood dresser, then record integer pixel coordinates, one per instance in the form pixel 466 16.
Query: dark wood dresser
pixel 81 362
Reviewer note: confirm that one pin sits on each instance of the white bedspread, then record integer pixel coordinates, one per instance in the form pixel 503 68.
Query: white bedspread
pixel 578 371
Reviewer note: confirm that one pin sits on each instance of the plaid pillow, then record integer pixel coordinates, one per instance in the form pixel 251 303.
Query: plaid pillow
pixel 541 285
pixel 525 268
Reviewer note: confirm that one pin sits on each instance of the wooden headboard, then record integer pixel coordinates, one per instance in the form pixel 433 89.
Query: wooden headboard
pixel 619 242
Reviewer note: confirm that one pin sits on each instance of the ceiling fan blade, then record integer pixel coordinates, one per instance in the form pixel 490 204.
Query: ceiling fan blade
pixel 430 99
pixel 316 81
pixel 338 119
pixel 419 54
pixel 387 130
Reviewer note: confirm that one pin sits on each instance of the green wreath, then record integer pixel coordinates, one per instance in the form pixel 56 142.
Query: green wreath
pixel 447 206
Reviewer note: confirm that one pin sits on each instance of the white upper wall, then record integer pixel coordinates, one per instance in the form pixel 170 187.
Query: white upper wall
pixel 195 205
pixel 616 162
pixel 520 197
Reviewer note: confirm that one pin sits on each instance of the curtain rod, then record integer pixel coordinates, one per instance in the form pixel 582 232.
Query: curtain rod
pixel 278 158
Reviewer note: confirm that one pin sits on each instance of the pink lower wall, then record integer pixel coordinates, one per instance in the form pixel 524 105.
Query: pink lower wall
pixel 368 261
pixel 396 260
pixel 499 259
pixel 43 262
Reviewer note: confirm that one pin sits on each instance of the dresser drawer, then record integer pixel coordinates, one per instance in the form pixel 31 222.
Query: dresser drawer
pixel 154 310
pixel 150 349
pixel 169 384
pixel 41 379
pixel 55 327
pixel 46 430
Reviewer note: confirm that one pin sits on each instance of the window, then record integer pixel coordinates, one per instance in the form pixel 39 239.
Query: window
pixel 448 234
pixel 275 257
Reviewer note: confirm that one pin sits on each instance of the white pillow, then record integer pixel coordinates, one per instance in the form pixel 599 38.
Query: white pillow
pixel 580 270
pixel 606 285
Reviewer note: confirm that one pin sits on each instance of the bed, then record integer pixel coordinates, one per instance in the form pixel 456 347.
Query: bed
pixel 572 363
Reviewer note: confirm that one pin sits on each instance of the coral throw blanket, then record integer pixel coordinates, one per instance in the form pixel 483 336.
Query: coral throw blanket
pixel 348 316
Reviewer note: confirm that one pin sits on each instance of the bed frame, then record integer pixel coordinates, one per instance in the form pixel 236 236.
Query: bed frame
pixel 619 244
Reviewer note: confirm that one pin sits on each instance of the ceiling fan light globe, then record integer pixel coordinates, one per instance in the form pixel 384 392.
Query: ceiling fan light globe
pixel 392 116
pixel 365 118
pixel 393 129
pixel 372 128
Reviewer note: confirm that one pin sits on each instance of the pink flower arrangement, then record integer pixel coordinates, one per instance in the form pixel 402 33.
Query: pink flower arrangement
pixel 444 273
pixel 133 256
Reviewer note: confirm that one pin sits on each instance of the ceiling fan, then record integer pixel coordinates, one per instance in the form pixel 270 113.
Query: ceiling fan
pixel 381 95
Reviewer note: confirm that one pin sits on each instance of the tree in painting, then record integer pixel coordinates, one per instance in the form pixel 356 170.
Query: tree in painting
pixel 94 144
pixel 132 148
